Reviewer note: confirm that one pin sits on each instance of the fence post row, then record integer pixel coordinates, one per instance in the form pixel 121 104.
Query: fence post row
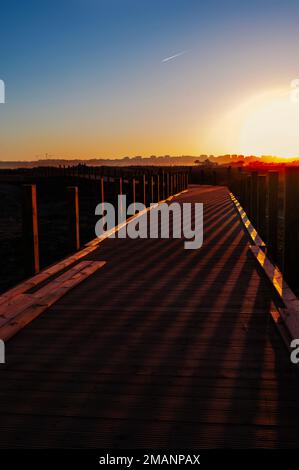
pixel 152 186
pixel 271 200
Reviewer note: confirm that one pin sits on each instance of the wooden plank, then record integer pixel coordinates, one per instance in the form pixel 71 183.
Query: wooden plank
pixel 35 304
pixel 289 315
pixel 43 276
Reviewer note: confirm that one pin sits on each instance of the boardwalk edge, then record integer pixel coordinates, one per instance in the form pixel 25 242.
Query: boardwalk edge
pixel 286 319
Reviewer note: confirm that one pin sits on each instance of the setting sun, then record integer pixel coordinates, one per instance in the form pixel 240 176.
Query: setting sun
pixel 272 128
pixel 265 124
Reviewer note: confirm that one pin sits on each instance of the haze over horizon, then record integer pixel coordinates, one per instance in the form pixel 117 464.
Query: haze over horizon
pixel 90 78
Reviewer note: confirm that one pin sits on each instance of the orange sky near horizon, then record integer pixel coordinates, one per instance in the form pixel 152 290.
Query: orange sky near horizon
pixel 127 78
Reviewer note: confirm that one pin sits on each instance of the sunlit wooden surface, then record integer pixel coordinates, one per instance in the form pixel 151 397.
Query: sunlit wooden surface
pixel 161 347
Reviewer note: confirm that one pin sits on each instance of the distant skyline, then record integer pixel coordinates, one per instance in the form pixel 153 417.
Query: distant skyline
pixel 92 78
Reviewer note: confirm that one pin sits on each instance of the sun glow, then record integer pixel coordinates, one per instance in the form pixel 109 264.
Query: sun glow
pixel 266 124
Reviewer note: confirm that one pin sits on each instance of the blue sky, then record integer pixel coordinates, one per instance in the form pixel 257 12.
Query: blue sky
pixel 86 78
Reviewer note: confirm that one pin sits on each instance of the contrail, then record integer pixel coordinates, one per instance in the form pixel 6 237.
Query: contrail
pixel 173 56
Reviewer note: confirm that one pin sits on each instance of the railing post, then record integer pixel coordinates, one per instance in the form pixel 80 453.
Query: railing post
pixel 214 178
pixel 291 225
pixel 168 185
pixel 158 188
pixel 102 191
pixel 144 189
pixel 247 193
pixel 202 177
pixel 152 188
pixel 272 212
pixel 240 185
pixel 163 184
pixel 229 174
pixel 30 230
pixel 73 216
pixel 120 193
pixel 253 197
pixel 120 185
pixel 261 205
pixel 134 193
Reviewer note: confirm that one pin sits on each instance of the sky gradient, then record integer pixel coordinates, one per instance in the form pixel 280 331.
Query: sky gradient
pixel 88 78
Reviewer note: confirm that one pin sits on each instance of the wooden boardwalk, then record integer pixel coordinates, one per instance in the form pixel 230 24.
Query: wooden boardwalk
pixel 162 347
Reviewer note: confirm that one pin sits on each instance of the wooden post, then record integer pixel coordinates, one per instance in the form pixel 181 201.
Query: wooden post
pixel 167 185
pixel 144 189
pixel 253 197
pixel 73 212
pixel 291 225
pixel 214 178
pixel 244 190
pixel 228 177
pixel 120 193
pixel 30 230
pixel 102 191
pixel 120 185
pixel 158 188
pixel 247 199
pixel 272 212
pixel 152 189
pixel 240 186
pixel 163 185
pixel 134 193
pixel 202 177
pixel 261 206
